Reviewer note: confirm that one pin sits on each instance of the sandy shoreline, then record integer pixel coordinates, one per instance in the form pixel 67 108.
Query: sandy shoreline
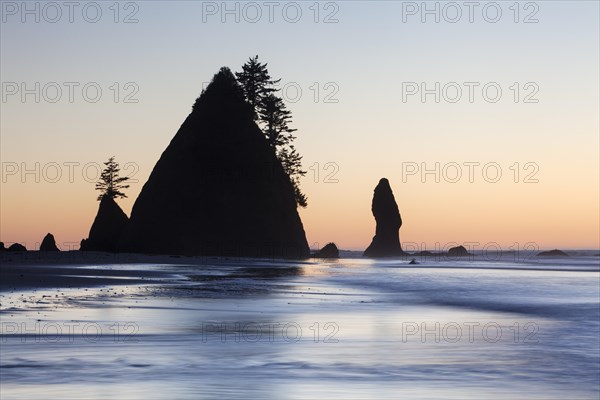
pixel 41 270
pixel 75 269
pixel 71 269
pixel 217 327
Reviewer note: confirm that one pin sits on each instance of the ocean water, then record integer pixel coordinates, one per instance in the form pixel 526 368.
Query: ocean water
pixel 351 328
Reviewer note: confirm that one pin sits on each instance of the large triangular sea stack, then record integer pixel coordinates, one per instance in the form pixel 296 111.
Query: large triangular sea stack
pixel 218 188
pixel 386 242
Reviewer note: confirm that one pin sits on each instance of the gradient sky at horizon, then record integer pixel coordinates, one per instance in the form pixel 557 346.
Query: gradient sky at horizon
pixel 360 61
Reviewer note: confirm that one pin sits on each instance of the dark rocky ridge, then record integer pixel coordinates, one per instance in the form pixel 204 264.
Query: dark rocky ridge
pixel 108 226
pixel 48 243
pixel 386 241
pixel 218 188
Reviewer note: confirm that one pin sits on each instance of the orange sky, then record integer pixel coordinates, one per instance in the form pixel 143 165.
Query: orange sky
pixel 350 113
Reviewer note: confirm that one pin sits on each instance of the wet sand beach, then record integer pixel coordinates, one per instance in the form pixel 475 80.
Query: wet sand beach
pixel 349 328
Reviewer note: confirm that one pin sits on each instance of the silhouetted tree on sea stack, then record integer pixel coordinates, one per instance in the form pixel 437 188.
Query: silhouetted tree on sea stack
pixel 110 220
pixel 274 119
pixel 110 183
pixel 291 162
pixel 255 82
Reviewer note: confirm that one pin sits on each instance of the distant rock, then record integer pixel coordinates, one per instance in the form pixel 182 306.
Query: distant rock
pixel 218 189
pixel 107 228
pixel 553 253
pixel 386 241
pixel 458 251
pixel 16 247
pixel 2 248
pixel 48 244
pixel 413 262
pixel 329 251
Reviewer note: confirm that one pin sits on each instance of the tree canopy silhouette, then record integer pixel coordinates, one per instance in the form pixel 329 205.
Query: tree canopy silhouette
pixel 292 165
pixel 110 183
pixel 255 82
pixel 274 118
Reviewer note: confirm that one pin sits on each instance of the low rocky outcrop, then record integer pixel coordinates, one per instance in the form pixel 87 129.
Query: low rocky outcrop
pixel 458 251
pixel 386 242
pixel 108 227
pixel 330 250
pixel 425 253
pixel 16 247
pixel 48 243
pixel 2 248
pixel 553 253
